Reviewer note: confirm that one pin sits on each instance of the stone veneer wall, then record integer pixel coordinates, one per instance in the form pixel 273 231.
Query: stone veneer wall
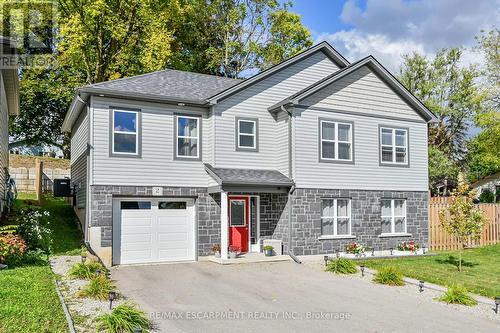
pixel 365 219
pixel 207 210
pixel 274 217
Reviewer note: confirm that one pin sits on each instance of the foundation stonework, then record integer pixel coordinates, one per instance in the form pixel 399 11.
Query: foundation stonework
pixel 306 216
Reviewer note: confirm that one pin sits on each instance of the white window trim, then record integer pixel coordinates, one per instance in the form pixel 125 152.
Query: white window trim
pixel 393 145
pixel 335 219
pixel 336 140
pixel 254 134
pixel 393 219
pixel 244 213
pixel 197 137
pixel 136 133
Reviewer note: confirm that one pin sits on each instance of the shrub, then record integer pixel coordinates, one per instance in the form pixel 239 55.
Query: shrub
pixel 216 248
pixel 390 276
pixel 268 248
pixel 408 246
pixel 124 318
pixel 487 196
pixel 35 257
pixel 98 287
pixel 341 266
pixel 33 226
pixel 12 249
pixel 457 294
pixel 8 229
pixel 86 270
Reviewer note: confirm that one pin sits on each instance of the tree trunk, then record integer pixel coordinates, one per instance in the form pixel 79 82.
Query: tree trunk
pixel 460 259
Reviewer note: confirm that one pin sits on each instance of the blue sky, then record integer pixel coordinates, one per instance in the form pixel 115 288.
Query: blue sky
pixel 388 29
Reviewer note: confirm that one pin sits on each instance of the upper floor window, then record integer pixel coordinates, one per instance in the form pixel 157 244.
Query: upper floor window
pixel 125 136
pixel 187 139
pixel 246 134
pixel 393 213
pixel 393 146
pixel 336 141
pixel 335 217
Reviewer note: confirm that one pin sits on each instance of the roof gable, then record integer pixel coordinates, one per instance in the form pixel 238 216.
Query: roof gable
pixel 324 47
pixel 375 67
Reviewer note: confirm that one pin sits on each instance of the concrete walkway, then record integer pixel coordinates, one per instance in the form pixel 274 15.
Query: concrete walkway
pixel 281 297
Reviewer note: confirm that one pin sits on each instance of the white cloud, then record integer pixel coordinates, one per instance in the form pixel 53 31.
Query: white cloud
pixel 390 28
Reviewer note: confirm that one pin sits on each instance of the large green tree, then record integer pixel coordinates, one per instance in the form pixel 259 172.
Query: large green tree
pixel 450 91
pixel 98 40
pixel 484 149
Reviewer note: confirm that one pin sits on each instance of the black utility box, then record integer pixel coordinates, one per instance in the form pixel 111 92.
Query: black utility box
pixel 62 187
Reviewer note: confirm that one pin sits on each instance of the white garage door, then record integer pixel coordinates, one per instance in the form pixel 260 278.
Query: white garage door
pixel 147 230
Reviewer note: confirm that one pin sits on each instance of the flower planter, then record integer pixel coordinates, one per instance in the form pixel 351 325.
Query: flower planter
pixel 268 253
pixel 233 255
pixel 217 254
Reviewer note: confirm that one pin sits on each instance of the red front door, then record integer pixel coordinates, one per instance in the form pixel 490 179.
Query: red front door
pixel 238 223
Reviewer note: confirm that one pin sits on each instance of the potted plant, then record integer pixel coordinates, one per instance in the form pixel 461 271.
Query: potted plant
pixel 268 250
pixel 233 251
pixel 355 248
pixel 216 250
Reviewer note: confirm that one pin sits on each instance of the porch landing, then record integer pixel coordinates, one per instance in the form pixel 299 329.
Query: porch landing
pixel 246 258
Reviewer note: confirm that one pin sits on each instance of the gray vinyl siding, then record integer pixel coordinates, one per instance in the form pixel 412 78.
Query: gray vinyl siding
pixel 79 179
pixel 365 173
pixel 362 92
pixel 282 152
pixel 80 136
pixel 253 102
pixel 4 138
pixel 156 166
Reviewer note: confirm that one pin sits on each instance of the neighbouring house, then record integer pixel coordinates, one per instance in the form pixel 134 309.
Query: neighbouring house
pixel 9 106
pixel 315 152
pixel 491 182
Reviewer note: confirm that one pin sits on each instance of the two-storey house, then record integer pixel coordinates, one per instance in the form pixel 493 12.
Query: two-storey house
pixel 316 152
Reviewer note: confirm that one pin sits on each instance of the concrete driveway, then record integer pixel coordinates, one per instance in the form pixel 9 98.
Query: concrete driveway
pixel 280 297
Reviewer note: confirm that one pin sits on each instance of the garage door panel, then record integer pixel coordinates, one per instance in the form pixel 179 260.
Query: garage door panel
pixel 136 221
pixel 165 232
pixel 139 238
pixel 136 256
pixel 172 237
pixel 174 254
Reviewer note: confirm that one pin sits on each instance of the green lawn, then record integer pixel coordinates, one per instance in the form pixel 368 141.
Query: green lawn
pixel 480 269
pixel 29 302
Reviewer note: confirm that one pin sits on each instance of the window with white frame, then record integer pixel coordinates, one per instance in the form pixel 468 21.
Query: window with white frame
pixel 393 146
pixel 125 138
pixel 188 137
pixel 393 216
pixel 335 141
pixel 246 134
pixel 335 217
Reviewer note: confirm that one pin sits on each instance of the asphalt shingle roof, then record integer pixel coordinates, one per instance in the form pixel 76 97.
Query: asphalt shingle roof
pixel 249 176
pixel 170 83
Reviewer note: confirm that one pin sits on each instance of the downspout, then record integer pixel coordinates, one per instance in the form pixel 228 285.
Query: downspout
pixel 292 188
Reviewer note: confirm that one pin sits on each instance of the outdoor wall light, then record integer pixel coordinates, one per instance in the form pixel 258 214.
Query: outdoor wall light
pixel 391 249
pixel 362 267
pixel 497 303
pixel 325 258
pixel 421 286
pixel 111 297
